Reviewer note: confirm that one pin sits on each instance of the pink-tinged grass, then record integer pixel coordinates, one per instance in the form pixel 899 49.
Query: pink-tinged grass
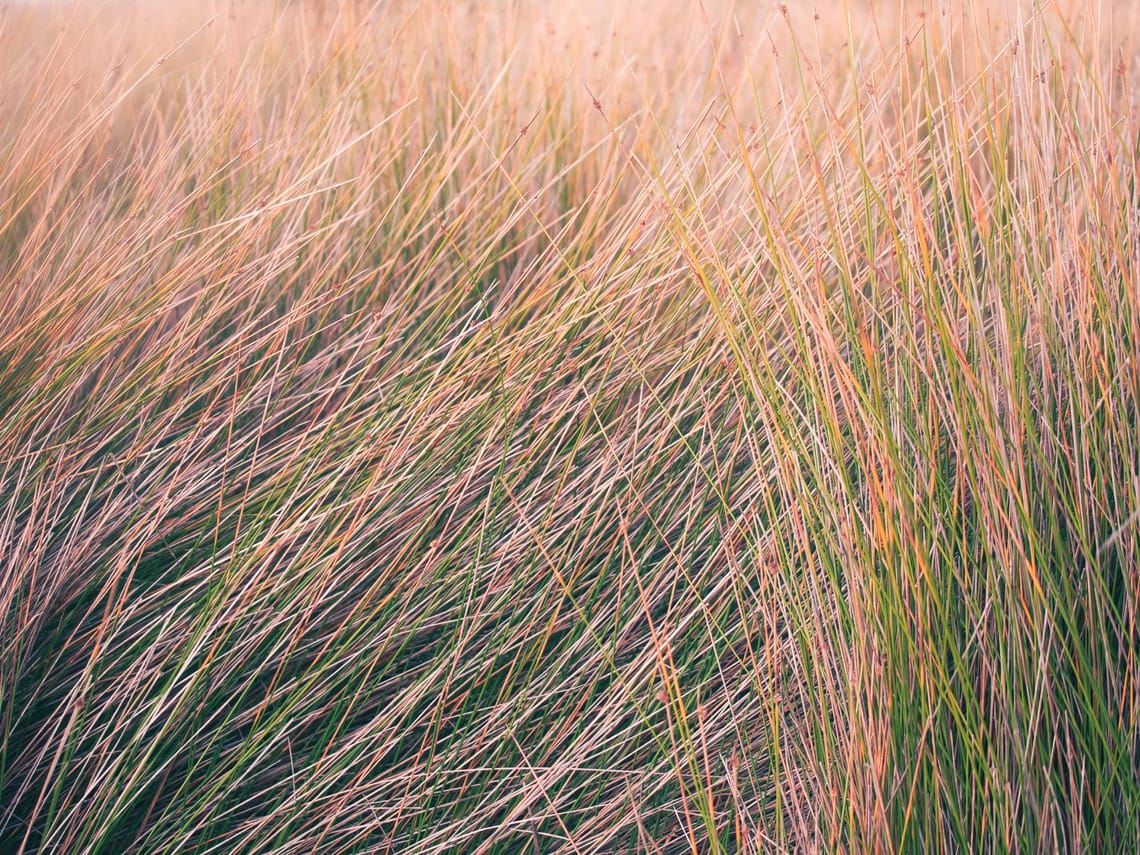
pixel 445 430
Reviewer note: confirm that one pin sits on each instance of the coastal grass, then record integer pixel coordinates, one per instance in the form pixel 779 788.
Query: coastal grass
pixel 440 428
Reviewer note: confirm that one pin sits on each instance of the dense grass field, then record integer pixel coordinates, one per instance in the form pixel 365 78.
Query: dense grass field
pixel 512 429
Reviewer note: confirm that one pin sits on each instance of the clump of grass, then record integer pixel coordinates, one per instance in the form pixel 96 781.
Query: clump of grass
pixel 501 432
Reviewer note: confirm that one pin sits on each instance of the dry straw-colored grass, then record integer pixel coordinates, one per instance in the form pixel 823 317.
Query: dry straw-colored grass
pixel 494 428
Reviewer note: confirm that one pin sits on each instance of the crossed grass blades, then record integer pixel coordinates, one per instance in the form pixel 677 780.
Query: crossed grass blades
pixel 449 430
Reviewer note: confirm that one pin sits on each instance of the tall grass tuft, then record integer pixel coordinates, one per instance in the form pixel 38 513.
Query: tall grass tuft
pixel 439 429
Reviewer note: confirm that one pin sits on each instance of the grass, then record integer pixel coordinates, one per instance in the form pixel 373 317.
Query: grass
pixel 452 430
